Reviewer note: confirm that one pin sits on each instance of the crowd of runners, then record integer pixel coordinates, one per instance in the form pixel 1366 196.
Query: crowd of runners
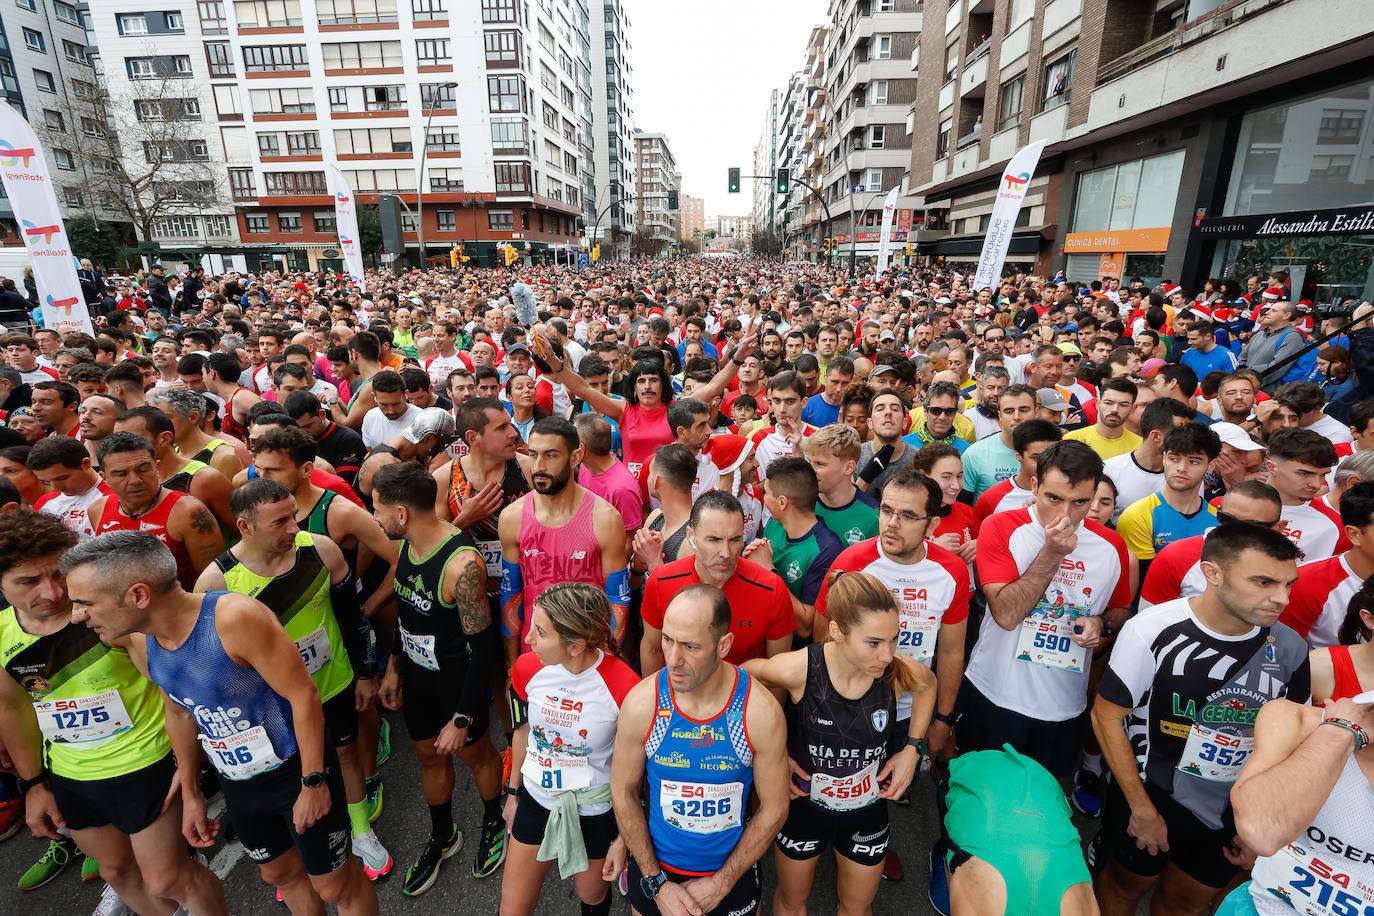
pixel 686 561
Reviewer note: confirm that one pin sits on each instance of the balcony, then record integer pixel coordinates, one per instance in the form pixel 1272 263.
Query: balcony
pixel 972 137
pixel 947 95
pixel 975 74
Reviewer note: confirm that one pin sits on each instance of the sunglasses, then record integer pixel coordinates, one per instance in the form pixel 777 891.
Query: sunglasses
pixel 942 411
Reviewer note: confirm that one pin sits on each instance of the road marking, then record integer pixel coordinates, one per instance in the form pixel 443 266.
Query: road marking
pixel 224 860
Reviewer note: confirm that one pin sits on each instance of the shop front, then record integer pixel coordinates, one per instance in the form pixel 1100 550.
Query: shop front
pixel 1119 254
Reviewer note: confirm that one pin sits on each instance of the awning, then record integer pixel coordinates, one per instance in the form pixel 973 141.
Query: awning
pixel 1023 241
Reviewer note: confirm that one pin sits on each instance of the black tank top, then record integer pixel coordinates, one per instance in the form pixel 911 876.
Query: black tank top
pixel 421 610
pixel 673 542
pixel 831 734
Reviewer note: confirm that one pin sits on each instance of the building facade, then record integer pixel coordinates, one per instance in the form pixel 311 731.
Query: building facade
pixel 476 114
pixel 693 216
pixel 613 127
pixel 656 176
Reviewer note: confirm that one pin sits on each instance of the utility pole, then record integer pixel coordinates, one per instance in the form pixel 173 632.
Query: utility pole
pixel 420 187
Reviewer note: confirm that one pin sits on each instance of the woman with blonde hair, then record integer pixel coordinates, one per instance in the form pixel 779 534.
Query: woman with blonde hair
pixel 844 750
pixel 565 702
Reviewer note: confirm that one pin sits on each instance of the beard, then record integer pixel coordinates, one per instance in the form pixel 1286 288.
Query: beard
pixel 549 485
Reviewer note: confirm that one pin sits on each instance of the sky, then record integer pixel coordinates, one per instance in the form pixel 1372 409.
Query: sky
pixel 702 76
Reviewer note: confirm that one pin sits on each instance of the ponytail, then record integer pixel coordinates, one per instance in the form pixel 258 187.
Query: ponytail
pixel 852 595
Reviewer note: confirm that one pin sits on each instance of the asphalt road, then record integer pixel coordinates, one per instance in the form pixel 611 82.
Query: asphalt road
pixel 402 828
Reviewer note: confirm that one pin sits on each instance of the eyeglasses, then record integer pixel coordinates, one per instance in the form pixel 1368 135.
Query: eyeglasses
pixel 942 411
pixel 887 512
pixel 1224 517
pixel 990 337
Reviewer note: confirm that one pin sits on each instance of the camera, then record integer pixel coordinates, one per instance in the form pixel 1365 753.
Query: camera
pixel 1342 311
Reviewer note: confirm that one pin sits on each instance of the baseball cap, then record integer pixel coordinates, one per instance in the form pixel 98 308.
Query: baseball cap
pixel 1052 399
pixel 518 348
pixel 1236 437
pixel 1068 348
pixel 434 420
pixel 882 368
pixel 1151 367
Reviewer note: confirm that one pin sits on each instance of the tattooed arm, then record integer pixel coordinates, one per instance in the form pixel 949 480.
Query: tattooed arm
pixel 191 523
pixel 464 588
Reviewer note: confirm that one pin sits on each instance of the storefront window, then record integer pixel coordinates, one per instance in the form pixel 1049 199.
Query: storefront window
pixel 1139 194
pixel 1310 153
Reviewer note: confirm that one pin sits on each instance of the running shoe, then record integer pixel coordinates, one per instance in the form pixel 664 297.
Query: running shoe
pixel 376 860
pixel 111 905
pixel 384 742
pixel 491 848
pixel 54 862
pixel 422 874
pixel 939 884
pixel 892 866
pixel 90 869
pixel 373 798
pixel 11 817
pixel 1087 792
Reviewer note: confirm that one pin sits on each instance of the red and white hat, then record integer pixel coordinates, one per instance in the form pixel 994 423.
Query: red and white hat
pixel 1273 294
pixel 1170 288
pixel 729 451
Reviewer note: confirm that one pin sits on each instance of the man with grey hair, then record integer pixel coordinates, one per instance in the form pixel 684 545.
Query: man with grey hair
pixel 216 652
pixel 1275 341
pixel 187 409
pixel 992 381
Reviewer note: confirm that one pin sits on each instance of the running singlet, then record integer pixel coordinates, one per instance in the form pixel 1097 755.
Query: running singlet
pixel 300 599
pixel 430 632
pixel 227 423
pixel 485 533
pixel 154 521
pixel 1318 602
pixel 1328 870
pixel 209 450
pixel 245 725
pixel 841 742
pixel 99 715
pixel 1149 525
pixel 568 553
pixel 699 774
pixel 572 723
pixel 72 510
pixel 180 482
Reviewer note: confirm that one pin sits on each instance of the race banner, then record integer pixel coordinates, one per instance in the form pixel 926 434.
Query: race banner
pixel 885 239
pixel 24 170
pixel 1011 192
pixel 346 222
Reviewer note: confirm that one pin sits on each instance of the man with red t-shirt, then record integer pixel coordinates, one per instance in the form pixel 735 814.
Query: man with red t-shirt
pixel 1298 463
pixel 760 604
pixel 1319 601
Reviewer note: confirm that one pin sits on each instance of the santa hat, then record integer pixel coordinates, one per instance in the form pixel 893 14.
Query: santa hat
pixel 1170 288
pixel 728 451
pixel 650 293
pixel 1273 294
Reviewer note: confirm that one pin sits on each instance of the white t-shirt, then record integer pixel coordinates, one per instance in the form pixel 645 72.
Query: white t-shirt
pixel 439 368
pixel 1132 481
pixel 1329 427
pixel 1316 528
pixel 982 426
pixel 377 428
pixel 73 510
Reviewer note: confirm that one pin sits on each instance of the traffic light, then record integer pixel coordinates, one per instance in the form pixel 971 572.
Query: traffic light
pixel 511 255
pixel 734 181
pixel 672 200
pixel 784 179
pixel 596 252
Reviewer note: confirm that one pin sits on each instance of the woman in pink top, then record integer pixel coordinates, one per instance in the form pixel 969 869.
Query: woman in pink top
pixel 643 416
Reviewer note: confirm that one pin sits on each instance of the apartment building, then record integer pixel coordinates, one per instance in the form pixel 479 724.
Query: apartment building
pixel 656 175
pixel 46 75
pixel 693 216
pixel 613 126
pixel 1187 139
pixel 476 114
pixel 765 196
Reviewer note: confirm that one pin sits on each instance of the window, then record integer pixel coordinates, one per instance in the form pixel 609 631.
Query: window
pixel 227 103
pixel 1059 81
pixel 550 117
pixel 877 92
pixel 325 221
pixel 218 58
pixel 427 10
pixel 355 12
pixel 253 14
pixel 372 140
pixel 282 101
pixel 241 187
pixel 212 21
pixel 74 51
pixel 873 180
pixel 444 139
pixel 509 135
pixel 512 177
pixel 35 42
pixel 303 143
pixel 357 55
pixel 173 22
pixel 257 223
pixel 290 223
pixel 44 80
pixel 884 6
pixel 1331 168
pixel 1009 103
pixel 53 120
pixel 181 65
pixel 73 197
pixel 177 227
pixel 167 109
pixel 216 224
pixel 570 164
pixel 431 51
pixel 500 219
pixel 498 11
pixel 438 96
pixel 64 159
pixel 881 47
pixel 877 136
pixel 503 48
pixel 369 181
pixel 92 128
pixel 288 183
pixel 132 24
pixel 447 220
pixel 338 98
pixel 384 98
pixel 269 144
pixel 1136 194
pixel 84 90
pixel 942 139
pixel 267 58
pixel 1340 125
pixel 505 93
pixel 30 5
pixel 445 180
pixel 66 13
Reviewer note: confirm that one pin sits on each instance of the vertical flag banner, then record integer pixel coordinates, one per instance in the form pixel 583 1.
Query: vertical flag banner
pixel 24 170
pixel 346 218
pixel 1011 191
pixel 885 238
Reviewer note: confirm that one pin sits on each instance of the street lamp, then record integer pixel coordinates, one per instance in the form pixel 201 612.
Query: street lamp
pixel 424 149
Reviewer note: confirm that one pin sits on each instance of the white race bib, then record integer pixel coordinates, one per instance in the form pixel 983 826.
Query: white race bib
pixel 491 555
pixel 554 772
pixel 90 720
pixel 1317 882
pixel 1215 755
pixel 1046 640
pixel 419 649
pixel 700 807
pixel 845 793
pixel 242 755
pixel 314 649
pixel 916 636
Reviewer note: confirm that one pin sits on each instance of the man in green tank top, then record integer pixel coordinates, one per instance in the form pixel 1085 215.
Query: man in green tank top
pixel 304 579
pixel 85 728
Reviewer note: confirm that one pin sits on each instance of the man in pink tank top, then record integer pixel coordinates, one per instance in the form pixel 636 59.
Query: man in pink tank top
pixel 560 532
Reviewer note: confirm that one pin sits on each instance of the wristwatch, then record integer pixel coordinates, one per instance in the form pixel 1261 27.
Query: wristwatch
pixel 26 784
pixel 949 719
pixel 313 780
pixel 461 721
pixel 650 884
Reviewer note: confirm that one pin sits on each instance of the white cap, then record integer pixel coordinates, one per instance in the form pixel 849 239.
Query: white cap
pixel 1236 437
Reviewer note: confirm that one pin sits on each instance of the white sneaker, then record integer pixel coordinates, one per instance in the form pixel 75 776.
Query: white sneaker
pixel 376 860
pixel 110 904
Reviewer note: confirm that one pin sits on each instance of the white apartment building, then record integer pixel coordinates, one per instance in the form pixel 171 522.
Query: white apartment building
pixel 474 113
pixel 613 126
pixel 656 176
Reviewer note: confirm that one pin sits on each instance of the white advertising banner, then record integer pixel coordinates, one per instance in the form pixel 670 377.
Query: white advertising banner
pixel 1011 191
pixel 24 170
pixel 885 238
pixel 346 217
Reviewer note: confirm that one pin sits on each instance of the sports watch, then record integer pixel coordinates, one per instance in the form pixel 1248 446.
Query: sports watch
pixel 650 884
pixel 313 780
pixel 461 720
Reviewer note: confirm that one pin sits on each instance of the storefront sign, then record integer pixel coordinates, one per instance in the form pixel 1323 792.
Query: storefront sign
pixel 904 218
pixel 1118 240
pixel 1357 220
pixel 1111 265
